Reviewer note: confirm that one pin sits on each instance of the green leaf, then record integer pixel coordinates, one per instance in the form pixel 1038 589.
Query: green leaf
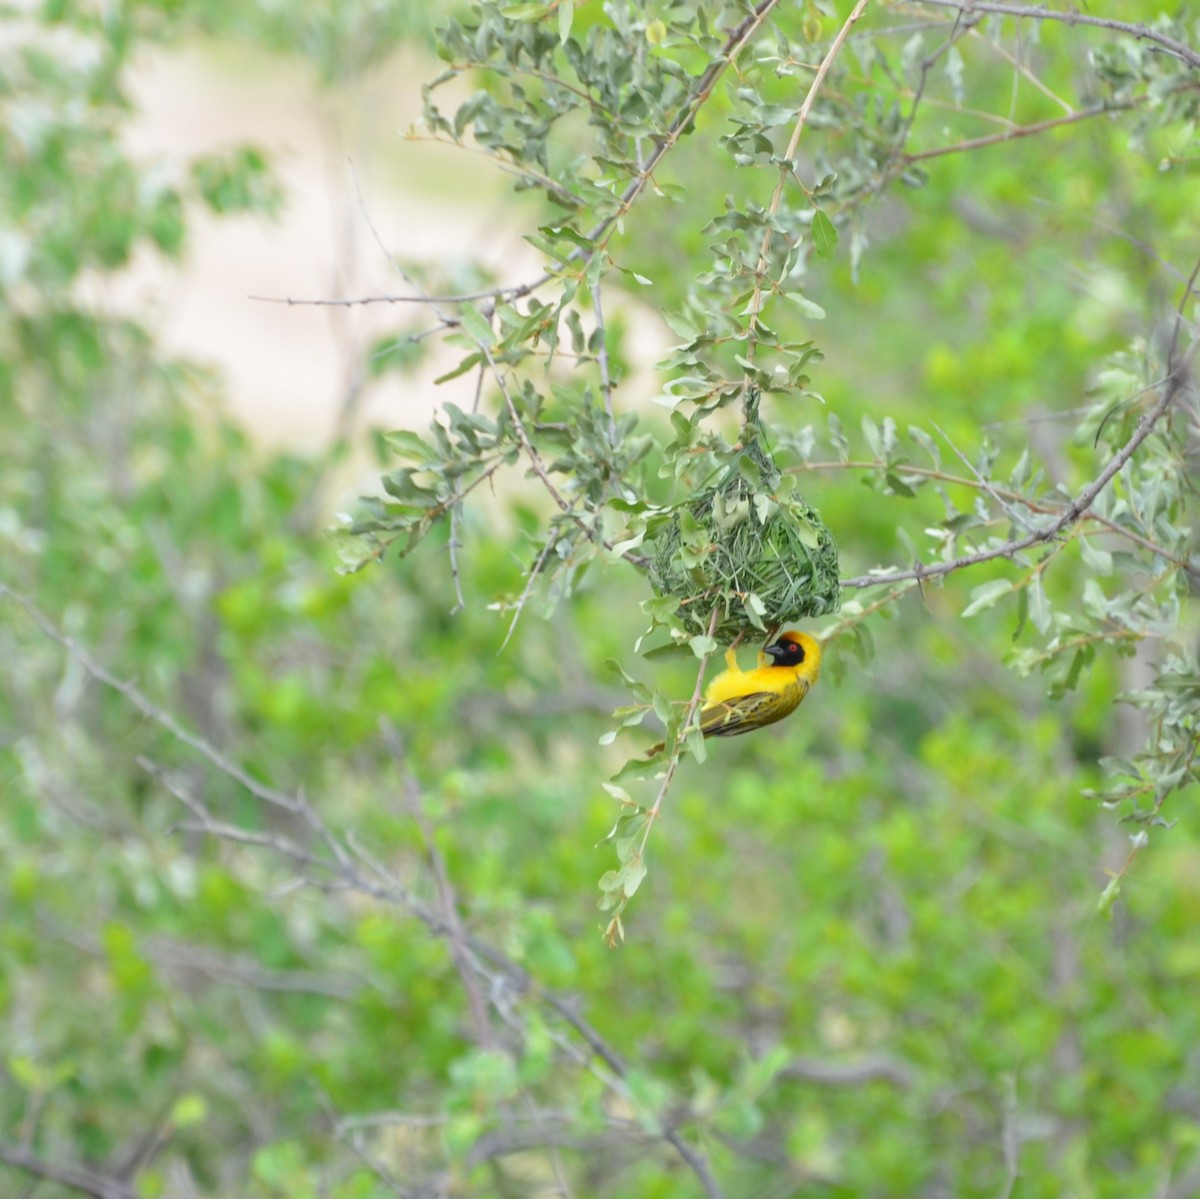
pixel 926 443
pixel 987 595
pixel 824 235
pixel 477 325
pixel 1083 657
pixel 632 875
pixel 807 535
pixel 1022 612
pixel 468 363
pixel 1039 607
pixel 407 444
pixel 1108 897
pixel 807 306
pixel 1101 561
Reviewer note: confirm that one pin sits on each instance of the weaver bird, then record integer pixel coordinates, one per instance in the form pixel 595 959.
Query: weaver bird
pixel 739 701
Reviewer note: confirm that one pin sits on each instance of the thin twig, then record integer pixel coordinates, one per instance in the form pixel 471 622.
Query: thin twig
pixel 186 958
pixel 846 622
pixel 873 1067
pixel 695 1162
pixel 1017 517
pixel 527 590
pixel 360 301
pixel 1018 131
pixel 224 831
pixel 432 301
pixel 502 161
pixel 787 168
pixel 606 386
pixel 1010 1140
pixel 963 24
pixel 595 1054
pixel 676 748
pixel 1175 382
pixel 159 715
pixel 1014 60
pixel 351 1137
pixel 735 42
pixel 460 954
pixel 73 1178
pixel 1073 16
pixel 1012 496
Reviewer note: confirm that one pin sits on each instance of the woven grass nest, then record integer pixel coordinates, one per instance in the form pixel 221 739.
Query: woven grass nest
pixel 750 547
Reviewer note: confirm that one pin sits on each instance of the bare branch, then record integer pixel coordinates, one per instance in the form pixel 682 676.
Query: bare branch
pixel 879 1067
pixel 460 953
pixel 359 301
pixel 696 1162
pixel 74 1178
pixel 503 1141
pixel 1013 497
pixel 341 864
pixel 183 957
pixel 527 591
pixel 159 715
pixel 1072 16
pixel 1018 131
pixel 1175 382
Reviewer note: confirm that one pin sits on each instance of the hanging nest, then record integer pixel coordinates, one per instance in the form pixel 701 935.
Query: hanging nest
pixel 750 547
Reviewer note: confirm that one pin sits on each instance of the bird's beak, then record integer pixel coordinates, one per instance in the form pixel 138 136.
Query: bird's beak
pixel 778 650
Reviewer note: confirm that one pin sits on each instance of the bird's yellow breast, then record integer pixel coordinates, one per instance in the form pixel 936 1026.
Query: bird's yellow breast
pixel 786 682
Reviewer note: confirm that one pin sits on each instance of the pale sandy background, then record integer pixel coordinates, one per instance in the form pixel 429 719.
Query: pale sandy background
pixel 348 168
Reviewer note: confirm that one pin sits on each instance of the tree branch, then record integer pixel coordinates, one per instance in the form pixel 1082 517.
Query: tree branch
pixel 734 43
pixel 1004 493
pixel 786 167
pixel 159 715
pixel 1073 16
pixel 460 953
pixel 74 1178
pixel 343 870
pixel 1018 131
pixel 1175 382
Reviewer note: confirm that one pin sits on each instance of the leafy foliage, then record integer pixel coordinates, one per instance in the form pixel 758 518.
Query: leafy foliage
pixel 641 84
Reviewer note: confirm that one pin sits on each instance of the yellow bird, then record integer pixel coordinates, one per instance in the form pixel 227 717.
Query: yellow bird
pixel 739 701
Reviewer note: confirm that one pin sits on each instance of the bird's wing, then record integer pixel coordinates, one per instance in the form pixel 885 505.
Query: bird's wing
pixel 740 715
